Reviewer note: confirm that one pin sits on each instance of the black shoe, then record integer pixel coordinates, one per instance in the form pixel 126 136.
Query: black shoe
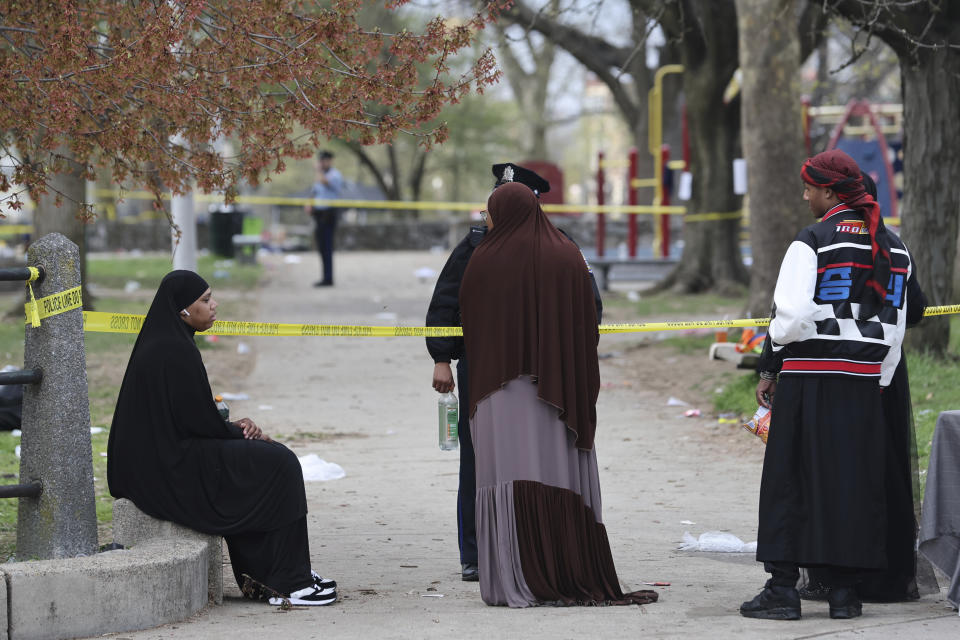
pixel 322 583
pixel 322 283
pixel 773 603
pixel 844 603
pixel 470 573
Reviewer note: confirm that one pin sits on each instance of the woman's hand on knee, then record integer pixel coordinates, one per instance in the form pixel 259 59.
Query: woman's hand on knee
pixel 250 430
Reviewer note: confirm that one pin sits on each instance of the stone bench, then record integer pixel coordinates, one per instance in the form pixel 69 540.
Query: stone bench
pixel 132 527
pixel 158 581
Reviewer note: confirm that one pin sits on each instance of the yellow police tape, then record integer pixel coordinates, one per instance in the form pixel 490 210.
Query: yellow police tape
pixel 704 217
pixel 104 322
pixel 52 305
pixel 15 229
pixel 400 205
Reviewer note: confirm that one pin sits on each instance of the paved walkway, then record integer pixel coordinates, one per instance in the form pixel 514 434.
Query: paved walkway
pixel 387 532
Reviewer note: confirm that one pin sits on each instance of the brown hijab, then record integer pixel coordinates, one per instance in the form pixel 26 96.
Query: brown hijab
pixel 527 308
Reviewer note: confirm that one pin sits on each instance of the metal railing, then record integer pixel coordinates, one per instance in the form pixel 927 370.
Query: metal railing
pixel 24 376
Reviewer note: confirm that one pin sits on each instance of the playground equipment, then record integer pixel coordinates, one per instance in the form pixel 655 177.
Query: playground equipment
pixel 661 180
pixel 871 134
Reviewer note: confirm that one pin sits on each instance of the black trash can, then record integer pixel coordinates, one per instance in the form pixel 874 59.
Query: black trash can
pixel 224 224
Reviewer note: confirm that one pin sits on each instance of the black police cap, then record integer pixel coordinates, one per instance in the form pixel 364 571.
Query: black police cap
pixel 509 172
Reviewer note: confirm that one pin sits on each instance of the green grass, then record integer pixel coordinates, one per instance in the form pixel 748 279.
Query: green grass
pixel 934 387
pixel 707 305
pixel 691 342
pixel 737 395
pixel 114 272
pixel 107 355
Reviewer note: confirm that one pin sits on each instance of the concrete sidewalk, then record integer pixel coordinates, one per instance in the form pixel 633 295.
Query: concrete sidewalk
pixel 387 532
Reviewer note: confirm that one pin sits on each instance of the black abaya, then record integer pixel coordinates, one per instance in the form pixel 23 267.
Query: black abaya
pixel 821 494
pixel 177 459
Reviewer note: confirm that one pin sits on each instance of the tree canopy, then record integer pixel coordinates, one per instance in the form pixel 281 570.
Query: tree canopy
pixel 144 87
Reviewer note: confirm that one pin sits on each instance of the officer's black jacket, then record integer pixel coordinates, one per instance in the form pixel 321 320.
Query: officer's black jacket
pixel 444 310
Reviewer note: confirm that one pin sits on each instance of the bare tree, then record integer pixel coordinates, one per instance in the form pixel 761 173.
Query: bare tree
pixel 772 137
pixel 700 35
pixel 925 34
pixel 529 87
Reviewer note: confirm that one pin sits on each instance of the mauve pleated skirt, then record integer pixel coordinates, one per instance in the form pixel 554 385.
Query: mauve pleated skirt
pixel 540 533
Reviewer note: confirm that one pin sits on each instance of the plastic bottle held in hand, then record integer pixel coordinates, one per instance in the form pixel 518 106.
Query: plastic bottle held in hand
pixel 222 407
pixel 449 419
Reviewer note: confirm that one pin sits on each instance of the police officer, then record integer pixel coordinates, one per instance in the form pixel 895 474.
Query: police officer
pixel 444 311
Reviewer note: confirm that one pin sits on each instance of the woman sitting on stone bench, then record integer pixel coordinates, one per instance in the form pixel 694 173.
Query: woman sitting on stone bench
pixel 177 459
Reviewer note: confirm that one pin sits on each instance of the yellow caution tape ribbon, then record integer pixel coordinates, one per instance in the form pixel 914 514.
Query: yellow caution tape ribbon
pixel 52 305
pixel 15 229
pixel 418 205
pixel 942 311
pixel 704 217
pixel 104 322
pixel 641 327
pixel 33 316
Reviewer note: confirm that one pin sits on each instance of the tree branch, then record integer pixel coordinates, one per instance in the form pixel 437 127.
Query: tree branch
pixel 812 27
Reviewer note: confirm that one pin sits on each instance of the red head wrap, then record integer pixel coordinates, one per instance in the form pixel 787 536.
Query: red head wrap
pixel 838 171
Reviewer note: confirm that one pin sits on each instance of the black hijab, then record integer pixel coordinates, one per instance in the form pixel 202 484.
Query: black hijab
pixel 172 453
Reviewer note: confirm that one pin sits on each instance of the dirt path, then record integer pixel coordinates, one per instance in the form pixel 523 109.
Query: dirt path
pixel 387 532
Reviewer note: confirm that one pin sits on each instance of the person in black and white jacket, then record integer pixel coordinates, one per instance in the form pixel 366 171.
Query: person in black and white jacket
pixel 840 309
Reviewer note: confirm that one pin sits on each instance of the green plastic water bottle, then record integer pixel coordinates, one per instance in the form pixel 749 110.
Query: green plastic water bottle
pixel 449 421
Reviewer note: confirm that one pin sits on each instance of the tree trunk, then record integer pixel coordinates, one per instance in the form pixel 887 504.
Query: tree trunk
pixel 772 138
pixel 931 192
pixel 67 218
pixel 711 252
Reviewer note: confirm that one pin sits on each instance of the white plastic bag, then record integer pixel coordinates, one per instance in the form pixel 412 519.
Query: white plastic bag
pixel 316 469
pixel 717 541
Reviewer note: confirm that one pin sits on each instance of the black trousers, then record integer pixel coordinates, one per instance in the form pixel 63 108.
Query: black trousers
pixel 279 559
pixel 323 233
pixel 467 491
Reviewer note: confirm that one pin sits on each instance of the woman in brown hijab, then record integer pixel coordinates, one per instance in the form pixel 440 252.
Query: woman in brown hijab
pixel 530 330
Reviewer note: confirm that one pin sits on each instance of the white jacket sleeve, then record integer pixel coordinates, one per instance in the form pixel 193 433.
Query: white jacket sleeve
pixel 797 313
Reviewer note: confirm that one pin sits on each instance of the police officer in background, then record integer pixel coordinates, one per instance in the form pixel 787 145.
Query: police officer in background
pixel 328 186
pixel 444 311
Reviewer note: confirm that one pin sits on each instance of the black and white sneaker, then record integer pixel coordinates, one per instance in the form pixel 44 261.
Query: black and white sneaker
pixel 323 583
pixel 311 596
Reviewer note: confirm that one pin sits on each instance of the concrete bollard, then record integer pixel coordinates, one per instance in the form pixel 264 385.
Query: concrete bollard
pixel 55 445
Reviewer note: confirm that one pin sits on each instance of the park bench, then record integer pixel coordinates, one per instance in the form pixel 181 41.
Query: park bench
pixel 603 265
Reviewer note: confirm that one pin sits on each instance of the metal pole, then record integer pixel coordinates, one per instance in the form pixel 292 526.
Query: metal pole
pixel 601 219
pixel 663 220
pixel 28 490
pixel 24 376
pixel 19 274
pixel 185 218
pixel 632 200
pixel 184 247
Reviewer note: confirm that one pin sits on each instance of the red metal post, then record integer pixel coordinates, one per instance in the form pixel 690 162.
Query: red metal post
pixel 601 221
pixel 632 201
pixel 665 201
